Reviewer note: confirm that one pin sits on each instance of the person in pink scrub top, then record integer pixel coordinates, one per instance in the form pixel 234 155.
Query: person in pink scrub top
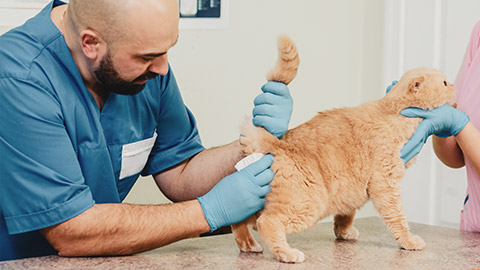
pixel 457 140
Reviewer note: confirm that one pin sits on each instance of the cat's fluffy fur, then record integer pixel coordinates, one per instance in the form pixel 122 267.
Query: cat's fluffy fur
pixel 337 161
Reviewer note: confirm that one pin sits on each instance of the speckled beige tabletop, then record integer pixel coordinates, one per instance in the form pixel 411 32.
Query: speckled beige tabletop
pixel 375 249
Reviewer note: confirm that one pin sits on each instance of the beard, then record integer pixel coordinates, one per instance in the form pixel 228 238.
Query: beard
pixel 109 78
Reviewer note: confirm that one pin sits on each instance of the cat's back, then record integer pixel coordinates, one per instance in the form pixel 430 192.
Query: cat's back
pixel 338 124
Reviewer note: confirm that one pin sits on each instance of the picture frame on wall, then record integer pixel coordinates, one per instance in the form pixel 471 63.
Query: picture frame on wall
pixel 203 14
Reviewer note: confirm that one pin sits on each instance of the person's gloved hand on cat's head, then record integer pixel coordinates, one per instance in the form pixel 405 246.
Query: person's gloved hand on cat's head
pixel 273 108
pixel 444 121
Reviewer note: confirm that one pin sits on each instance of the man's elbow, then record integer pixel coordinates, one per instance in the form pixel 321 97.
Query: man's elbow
pixel 77 245
pixel 64 244
pixel 72 238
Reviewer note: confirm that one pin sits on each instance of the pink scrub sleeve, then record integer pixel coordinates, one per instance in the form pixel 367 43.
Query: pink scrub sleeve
pixel 467 86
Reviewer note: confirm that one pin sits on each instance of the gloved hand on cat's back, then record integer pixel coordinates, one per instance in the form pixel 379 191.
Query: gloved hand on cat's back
pixel 273 108
pixel 239 195
pixel 444 121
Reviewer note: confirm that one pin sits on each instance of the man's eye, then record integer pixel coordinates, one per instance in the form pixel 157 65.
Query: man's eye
pixel 145 58
pixel 445 83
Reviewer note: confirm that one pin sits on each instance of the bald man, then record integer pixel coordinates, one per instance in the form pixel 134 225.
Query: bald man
pixel 88 103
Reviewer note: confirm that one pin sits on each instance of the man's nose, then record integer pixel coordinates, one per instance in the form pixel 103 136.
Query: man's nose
pixel 159 65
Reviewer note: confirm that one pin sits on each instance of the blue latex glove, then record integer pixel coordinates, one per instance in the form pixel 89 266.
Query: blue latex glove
pixel 239 195
pixel 443 121
pixel 390 87
pixel 273 108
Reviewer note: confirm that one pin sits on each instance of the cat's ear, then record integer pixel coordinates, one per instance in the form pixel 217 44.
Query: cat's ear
pixel 416 84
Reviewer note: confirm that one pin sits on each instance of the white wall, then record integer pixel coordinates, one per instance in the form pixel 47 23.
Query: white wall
pixel 220 71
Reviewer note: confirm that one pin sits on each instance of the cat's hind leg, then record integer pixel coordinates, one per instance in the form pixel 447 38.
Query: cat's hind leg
pixel 243 235
pixel 343 227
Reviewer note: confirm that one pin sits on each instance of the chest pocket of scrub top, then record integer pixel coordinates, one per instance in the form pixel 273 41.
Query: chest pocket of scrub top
pixel 135 156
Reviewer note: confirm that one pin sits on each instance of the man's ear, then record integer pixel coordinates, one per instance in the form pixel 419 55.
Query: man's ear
pixel 91 43
pixel 416 84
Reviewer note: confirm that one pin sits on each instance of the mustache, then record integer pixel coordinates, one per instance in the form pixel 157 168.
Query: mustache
pixel 146 76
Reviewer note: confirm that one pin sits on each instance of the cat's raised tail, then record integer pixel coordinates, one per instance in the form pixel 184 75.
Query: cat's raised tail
pixel 257 139
pixel 287 63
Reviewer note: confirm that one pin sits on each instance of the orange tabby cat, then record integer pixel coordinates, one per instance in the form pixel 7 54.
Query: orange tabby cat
pixel 337 161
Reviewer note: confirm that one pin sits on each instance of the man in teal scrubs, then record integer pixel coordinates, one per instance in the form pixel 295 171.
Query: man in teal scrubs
pixel 88 102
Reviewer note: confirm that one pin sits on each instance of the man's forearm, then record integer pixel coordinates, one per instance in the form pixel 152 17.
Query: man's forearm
pixel 122 229
pixel 196 176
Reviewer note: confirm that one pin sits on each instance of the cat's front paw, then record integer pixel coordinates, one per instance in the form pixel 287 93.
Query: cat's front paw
pixel 290 256
pixel 350 233
pixel 412 242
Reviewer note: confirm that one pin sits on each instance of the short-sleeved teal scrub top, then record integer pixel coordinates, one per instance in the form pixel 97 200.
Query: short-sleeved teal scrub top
pixel 59 155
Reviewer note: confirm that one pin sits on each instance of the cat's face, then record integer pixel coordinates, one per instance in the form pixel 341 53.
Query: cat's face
pixel 424 88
